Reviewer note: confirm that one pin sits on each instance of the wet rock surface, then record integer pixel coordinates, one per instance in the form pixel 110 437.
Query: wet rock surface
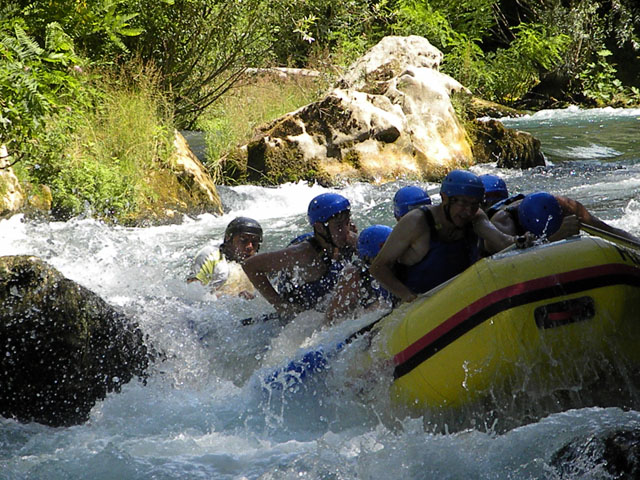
pixel 614 454
pixel 62 347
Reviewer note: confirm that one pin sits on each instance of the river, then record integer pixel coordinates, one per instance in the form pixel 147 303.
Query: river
pixel 204 414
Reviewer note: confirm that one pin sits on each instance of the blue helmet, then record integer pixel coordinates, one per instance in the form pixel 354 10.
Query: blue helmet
pixel 325 206
pixel 407 198
pixel 494 186
pixel 371 239
pixel 540 213
pixel 462 182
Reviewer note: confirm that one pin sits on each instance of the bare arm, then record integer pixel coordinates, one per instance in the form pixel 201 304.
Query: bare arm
pixel 408 230
pixel 573 207
pixel 346 295
pixel 261 265
pixel 494 238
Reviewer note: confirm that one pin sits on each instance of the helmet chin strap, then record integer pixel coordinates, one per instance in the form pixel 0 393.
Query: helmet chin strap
pixel 447 213
pixel 225 251
pixel 324 237
pixel 447 207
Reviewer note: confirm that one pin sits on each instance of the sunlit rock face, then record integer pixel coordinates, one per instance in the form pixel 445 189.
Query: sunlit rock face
pixel 62 348
pixel 389 116
pixel 11 195
pixel 194 176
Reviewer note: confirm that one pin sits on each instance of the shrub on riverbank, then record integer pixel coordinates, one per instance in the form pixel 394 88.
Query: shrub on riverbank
pixel 97 157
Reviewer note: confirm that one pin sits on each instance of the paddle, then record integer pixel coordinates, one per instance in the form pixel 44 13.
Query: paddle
pixel 614 237
pixel 312 361
pixel 260 319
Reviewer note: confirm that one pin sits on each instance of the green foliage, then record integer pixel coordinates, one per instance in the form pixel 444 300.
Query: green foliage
pixel 444 21
pixel 534 50
pixel 112 149
pixel 599 83
pixel 36 82
pixel 97 28
pixel 201 47
pixel 301 28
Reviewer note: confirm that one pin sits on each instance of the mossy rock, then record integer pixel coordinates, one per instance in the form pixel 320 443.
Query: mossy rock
pixel 278 161
pixel 493 142
pixel 62 348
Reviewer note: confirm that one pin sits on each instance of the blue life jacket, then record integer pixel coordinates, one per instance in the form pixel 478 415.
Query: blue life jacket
pixel 503 204
pixel 307 295
pixel 507 205
pixel 443 261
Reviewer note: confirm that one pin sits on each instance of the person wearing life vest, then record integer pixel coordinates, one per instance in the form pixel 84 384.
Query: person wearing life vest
pixel 219 267
pixel 407 198
pixel 551 217
pixel 313 265
pixel 356 287
pixel 433 243
pixel 495 190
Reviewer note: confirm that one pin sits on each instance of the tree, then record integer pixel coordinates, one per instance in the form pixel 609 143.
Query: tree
pixel 201 47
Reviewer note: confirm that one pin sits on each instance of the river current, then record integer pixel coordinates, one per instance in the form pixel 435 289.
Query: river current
pixel 204 413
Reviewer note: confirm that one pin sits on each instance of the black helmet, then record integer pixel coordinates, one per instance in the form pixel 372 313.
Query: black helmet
pixel 243 225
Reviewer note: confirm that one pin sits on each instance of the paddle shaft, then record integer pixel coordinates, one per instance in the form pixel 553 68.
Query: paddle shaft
pixel 603 233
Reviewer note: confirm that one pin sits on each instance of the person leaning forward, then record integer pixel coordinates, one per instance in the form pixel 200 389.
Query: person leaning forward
pixel 432 244
pixel 312 266
pixel 553 217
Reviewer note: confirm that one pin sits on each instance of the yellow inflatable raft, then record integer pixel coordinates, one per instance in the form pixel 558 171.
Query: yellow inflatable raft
pixel 546 313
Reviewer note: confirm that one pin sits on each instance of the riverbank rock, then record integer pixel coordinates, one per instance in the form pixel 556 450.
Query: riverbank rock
pixel 11 194
pixel 184 187
pixel 613 454
pixel 181 186
pixel 507 147
pixel 390 115
pixel 62 348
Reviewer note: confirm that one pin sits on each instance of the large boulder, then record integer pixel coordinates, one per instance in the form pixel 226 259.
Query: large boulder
pixel 62 348
pixel 390 115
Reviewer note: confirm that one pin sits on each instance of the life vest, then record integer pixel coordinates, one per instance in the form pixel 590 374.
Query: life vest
pixel 307 295
pixel 210 266
pixel 503 204
pixel 443 261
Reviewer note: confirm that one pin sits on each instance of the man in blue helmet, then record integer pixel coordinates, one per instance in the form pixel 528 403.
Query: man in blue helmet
pixel 356 287
pixel 219 266
pixel 313 265
pixel 553 217
pixel 407 198
pixel 495 190
pixel 432 244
